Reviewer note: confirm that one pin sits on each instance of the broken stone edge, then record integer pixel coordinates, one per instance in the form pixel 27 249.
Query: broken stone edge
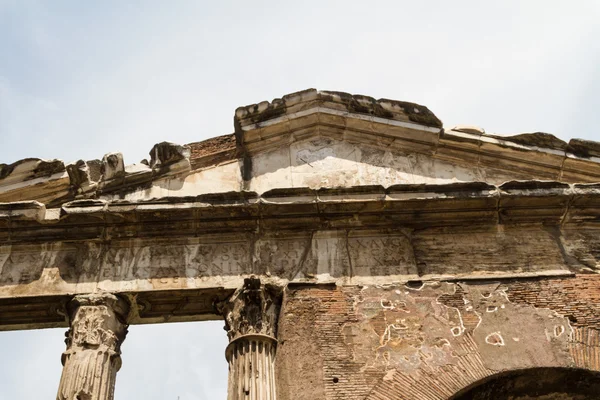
pixel 362 207
pixel 423 132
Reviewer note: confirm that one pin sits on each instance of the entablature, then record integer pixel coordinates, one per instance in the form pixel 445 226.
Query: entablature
pixel 407 206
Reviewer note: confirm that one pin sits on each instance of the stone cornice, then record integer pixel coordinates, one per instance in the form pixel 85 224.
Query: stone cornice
pixel 401 127
pixel 410 127
pixel 253 114
pixel 413 206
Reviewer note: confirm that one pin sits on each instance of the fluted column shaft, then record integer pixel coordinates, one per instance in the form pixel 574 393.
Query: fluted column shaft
pixel 93 355
pixel 251 368
pixel 251 323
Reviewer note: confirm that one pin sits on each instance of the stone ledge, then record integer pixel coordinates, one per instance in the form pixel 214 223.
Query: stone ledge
pixel 392 125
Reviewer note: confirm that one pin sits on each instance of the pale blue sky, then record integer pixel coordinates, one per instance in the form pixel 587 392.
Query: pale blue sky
pixel 79 79
pixel 184 361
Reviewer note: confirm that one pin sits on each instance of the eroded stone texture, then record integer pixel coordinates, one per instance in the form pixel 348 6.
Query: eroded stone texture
pixel 93 354
pixel 113 166
pixel 80 176
pixel 346 256
pixel 251 316
pixel 499 249
pixel 166 153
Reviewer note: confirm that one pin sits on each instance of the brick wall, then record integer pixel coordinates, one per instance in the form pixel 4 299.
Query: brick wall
pixel 577 298
pixel 333 343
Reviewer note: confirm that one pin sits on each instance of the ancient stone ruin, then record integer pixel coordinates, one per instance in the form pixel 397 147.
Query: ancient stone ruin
pixel 353 247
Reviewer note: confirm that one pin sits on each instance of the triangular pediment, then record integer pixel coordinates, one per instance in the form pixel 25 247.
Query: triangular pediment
pixel 330 139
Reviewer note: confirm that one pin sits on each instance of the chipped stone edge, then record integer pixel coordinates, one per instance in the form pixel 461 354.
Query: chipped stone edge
pixel 78 182
pixel 557 197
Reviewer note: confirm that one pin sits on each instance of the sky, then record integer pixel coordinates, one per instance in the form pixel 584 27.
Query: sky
pixel 175 361
pixel 79 79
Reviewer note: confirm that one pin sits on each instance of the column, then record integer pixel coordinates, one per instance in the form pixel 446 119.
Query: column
pixel 93 356
pixel 251 315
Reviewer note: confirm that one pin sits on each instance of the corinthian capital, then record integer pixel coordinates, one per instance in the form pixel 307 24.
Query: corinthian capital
pixel 97 322
pixel 97 328
pixel 252 310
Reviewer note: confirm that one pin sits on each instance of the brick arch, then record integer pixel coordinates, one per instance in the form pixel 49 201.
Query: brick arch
pixel 434 383
pixel 544 383
pixel 451 381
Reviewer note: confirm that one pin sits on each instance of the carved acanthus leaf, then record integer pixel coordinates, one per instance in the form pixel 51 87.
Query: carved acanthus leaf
pixel 252 310
pixel 97 321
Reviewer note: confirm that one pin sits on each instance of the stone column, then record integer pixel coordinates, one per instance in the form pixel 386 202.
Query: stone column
pixel 93 356
pixel 251 323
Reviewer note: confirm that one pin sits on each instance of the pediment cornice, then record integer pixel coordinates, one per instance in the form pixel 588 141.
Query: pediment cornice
pixel 410 128
pixel 402 129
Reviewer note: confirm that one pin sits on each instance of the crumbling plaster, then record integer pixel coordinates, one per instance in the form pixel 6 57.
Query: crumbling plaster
pixel 411 342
